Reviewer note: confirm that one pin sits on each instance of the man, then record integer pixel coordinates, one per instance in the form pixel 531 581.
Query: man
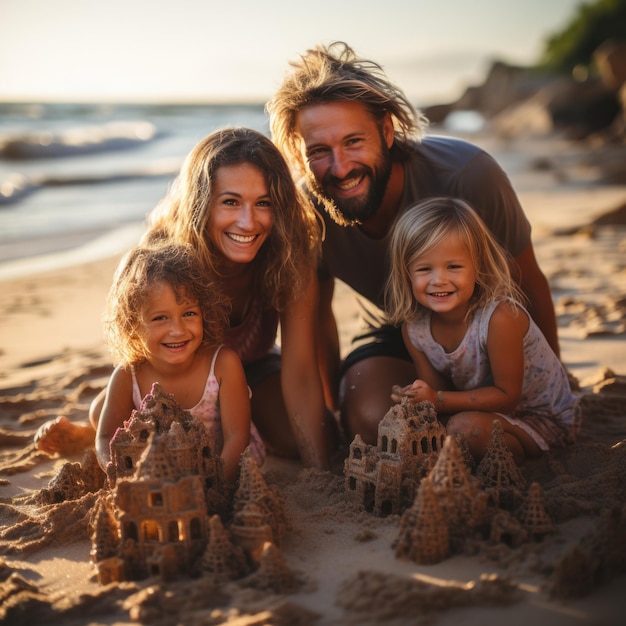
pixel 360 146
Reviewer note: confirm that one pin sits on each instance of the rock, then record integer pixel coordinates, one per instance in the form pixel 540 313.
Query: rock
pixel 437 113
pixel 505 85
pixel 581 107
pixel 577 108
pixel 610 59
pixel 528 118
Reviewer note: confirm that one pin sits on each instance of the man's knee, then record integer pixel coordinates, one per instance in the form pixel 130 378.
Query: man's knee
pixel 365 394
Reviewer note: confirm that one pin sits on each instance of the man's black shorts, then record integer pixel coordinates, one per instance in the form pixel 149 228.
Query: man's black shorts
pixel 385 340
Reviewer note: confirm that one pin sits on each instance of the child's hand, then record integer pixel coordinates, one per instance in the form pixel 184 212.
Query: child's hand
pixel 417 391
pixel 397 392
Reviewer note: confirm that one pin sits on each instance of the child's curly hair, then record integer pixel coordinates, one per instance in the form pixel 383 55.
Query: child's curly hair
pixel 139 271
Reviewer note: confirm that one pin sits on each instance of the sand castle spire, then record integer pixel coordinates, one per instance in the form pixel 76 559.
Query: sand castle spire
pixel 273 573
pixel 423 535
pixel 533 514
pixel 222 560
pixel 106 542
pixel 155 464
pixel 106 531
pixel 498 473
pixel 252 485
pixel 459 495
pixel 450 471
pixel 259 513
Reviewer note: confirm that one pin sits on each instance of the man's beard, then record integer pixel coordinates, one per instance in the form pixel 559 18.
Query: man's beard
pixel 354 211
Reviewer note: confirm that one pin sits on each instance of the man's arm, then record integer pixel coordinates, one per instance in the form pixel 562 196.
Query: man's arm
pixel 489 191
pixel 536 288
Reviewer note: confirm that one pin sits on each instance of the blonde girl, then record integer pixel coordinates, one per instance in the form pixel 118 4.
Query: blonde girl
pixel 479 356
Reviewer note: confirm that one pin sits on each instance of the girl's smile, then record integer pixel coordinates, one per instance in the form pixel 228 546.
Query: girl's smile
pixel 172 329
pixel 443 278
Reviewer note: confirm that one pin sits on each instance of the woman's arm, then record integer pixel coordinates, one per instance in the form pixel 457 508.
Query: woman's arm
pixel 117 407
pixel 234 410
pixel 327 338
pixel 300 379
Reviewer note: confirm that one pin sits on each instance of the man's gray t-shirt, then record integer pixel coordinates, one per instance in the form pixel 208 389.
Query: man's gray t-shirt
pixel 440 166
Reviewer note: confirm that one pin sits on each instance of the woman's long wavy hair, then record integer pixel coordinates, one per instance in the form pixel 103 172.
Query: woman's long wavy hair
pixel 137 274
pixel 420 228
pixel 334 73
pixel 183 215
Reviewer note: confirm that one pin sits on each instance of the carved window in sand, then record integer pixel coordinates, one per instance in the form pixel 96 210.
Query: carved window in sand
pixel 155 498
pixel 151 531
pixel 195 529
pixel 130 530
pixel 173 531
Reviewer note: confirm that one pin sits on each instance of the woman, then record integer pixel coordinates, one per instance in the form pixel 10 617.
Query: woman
pixel 235 202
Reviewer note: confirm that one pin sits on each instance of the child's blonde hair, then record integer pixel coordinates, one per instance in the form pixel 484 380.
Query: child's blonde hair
pixel 419 229
pixel 292 245
pixel 137 274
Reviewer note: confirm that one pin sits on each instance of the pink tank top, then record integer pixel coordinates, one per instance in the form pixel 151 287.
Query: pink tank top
pixel 256 335
pixel 208 412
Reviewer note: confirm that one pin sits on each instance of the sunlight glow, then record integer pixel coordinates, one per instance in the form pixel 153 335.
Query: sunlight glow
pixel 191 50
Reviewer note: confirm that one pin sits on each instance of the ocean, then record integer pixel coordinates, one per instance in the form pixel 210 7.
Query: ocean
pixel 77 181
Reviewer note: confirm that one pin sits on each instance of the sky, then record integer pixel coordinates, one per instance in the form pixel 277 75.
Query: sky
pixel 239 50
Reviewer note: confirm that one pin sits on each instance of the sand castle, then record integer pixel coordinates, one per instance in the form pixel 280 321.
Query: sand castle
pixel 454 507
pixel 418 470
pixel 385 477
pixel 169 512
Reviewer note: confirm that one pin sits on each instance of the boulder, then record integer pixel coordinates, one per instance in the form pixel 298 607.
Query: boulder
pixel 578 109
pixel 610 59
pixel 505 85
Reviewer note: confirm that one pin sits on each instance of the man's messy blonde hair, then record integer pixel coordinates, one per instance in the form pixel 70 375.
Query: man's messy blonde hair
pixel 137 275
pixel 334 73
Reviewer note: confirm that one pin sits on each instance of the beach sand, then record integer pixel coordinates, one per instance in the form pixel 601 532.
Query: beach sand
pixel 52 362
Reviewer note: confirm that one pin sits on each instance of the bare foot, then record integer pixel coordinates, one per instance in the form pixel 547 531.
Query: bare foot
pixel 60 436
